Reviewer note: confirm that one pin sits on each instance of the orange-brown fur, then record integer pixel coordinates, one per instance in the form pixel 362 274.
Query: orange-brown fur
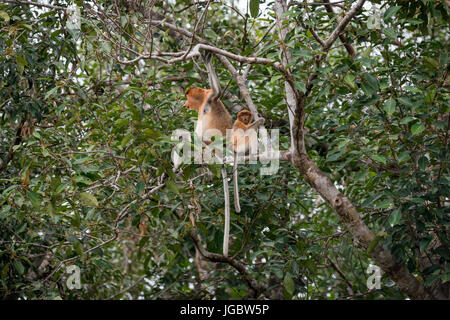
pixel 243 119
pixel 195 98
pixel 242 138
pixel 212 115
pixel 217 117
pixel 239 137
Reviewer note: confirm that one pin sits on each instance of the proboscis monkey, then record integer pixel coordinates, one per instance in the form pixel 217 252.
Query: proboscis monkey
pixel 243 138
pixel 212 115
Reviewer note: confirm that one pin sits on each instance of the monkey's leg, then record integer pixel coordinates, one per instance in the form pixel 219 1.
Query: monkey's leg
pixel 237 205
pixel 226 193
pixel 212 76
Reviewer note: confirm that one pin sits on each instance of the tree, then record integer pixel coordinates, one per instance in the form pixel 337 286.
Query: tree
pixel 358 89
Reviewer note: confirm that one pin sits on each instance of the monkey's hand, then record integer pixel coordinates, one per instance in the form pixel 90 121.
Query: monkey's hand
pixel 256 124
pixel 260 122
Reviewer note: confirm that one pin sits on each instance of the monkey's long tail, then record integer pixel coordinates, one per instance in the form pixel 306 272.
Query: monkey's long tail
pixel 226 193
pixel 237 205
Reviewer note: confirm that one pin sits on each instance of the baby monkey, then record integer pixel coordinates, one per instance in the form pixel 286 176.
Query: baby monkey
pixel 244 138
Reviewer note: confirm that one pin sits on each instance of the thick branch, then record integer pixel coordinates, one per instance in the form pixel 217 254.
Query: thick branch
pixel 342 37
pixel 36 4
pixel 329 42
pixel 339 202
pixel 214 257
pixel 341 26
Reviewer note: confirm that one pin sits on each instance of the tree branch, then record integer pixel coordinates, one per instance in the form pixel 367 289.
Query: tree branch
pixel 214 257
pixel 342 37
pixel 303 4
pixel 339 202
pixel 36 4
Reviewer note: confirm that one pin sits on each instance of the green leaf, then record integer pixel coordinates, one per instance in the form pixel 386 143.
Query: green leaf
pixel 343 143
pixel 423 162
pixel 121 123
pixel 333 156
pixel 140 187
pixel 21 228
pixel 60 188
pixel 417 129
pixel 383 204
pixel 44 152
pixel 300 86
pixel 88 199
pixel 51 209
pixel 21 63
pixel 76 220
pixel 172 186
pixel 406 120
pixel 413 89
pixel 350 80
pixel 389 106
pixel 367 89
pixel 215 169
pixel 379 158
pixel 372 81
pixel 395 217
pixel 404 156
pixel 406 102
pixel 5 270
pixel 289 285
pixel 50 92
pixel 27 26
pixel 423 243
pixel 78 248
pixel 390 12
pixel 4 16
pixel 373 22
pixel 125 140
pixel 19 267
pixel 303 53
pixel 431 64
pixel 431 280
pixel 254 8
pixel 414 21
pixel 35 198
pixel 390 33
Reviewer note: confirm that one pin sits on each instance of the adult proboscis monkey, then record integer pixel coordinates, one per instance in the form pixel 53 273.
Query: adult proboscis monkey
pixel 212 115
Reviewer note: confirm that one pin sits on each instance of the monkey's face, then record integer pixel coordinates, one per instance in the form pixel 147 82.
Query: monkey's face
pixel 195 98
pixel 245 117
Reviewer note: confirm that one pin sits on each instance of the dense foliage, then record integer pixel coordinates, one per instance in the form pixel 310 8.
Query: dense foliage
pixel 86 176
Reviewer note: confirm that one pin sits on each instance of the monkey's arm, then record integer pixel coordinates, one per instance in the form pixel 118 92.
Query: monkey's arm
pixel 213 79
pixel 256 124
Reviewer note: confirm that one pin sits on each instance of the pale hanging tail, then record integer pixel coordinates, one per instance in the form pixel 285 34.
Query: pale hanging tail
pixel 226 193
pixel 237 206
